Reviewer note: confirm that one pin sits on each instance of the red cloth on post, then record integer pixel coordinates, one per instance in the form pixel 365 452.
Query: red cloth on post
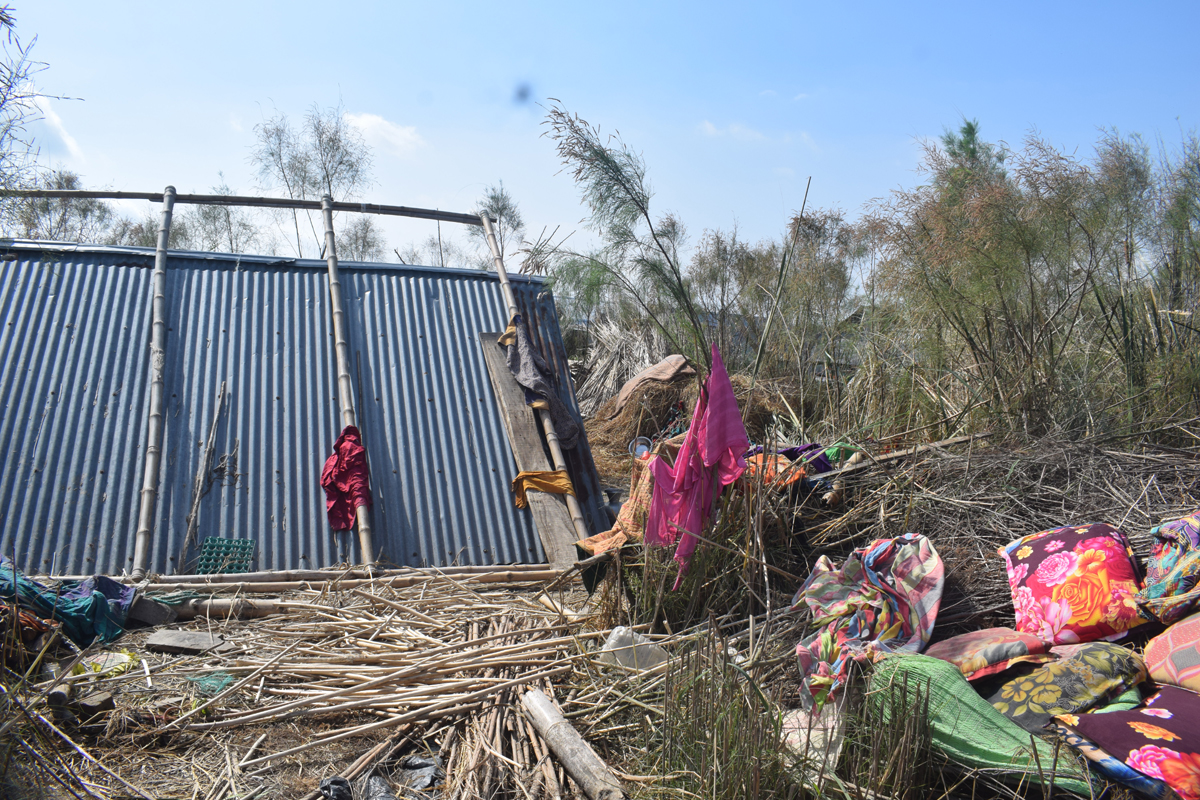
pixel 345 479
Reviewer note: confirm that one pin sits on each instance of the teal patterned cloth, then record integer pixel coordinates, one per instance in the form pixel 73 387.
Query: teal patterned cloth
pixel 1173 570
pixel 90 609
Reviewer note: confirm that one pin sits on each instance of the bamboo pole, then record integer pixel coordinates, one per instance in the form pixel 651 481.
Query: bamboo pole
pixel 556 453
pixel 192 521
pixel 231 608
pixel 398 582
pixel 342 351
pixel 255 202
pixel 328 575
pixel 154 428
pixel 899 454
pixel 580 761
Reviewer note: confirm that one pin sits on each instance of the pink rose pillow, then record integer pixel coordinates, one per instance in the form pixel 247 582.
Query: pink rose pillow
pixel 1073 584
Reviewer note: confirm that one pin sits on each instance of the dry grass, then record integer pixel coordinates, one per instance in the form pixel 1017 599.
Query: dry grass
pixel 336 676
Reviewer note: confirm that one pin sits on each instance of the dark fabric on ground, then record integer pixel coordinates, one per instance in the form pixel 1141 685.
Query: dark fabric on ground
pixel 1088 675
pixel 1160 740
pixel 94 608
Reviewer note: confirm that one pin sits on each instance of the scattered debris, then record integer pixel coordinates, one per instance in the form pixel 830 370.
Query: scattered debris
pixel 95 704
pixel 336 788
pixel 417 683
pixel 815 737
pixel 378 789
pixel 630 649
pixel 150 612
pixel 212 684
pixel 420 772
pixel 190 642
pixel 106 664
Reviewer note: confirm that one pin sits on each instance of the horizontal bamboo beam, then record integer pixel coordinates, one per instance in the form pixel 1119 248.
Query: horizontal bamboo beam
pixel 254 202
pixel 295 575
pixel 398 582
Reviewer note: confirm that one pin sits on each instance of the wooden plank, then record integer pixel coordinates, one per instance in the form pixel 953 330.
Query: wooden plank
pixel 550 515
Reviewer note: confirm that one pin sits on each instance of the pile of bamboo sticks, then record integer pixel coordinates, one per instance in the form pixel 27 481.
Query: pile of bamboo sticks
pixel 358 673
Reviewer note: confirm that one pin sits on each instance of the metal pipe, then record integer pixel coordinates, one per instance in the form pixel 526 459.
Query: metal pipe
pixel 259 202
pixel 154 429
pixel 342 350
pixel 556 453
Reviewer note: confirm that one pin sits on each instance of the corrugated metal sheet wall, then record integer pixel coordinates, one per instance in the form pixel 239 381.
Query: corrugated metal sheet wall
pixel 73 357
pixel 73 378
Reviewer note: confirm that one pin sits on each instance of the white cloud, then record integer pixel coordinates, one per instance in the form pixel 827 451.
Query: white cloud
pixel 235 123
pixel 767 93
pixel 733 131
pixel 55 122
pixel 801 97
pixel 397 139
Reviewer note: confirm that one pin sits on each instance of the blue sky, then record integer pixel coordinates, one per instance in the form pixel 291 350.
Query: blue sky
pixel 732 106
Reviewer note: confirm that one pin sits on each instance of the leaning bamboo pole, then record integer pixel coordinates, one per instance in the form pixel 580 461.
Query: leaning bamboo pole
pixel 556 453
pixel 580 760
pixel 154 428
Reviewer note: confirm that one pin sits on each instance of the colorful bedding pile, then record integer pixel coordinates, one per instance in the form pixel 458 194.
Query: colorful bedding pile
pixel 1062 672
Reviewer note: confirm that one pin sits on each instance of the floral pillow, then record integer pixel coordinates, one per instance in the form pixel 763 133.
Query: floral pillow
pixel 1174 656
pixel 1160 740
pixel 982 653
pixel 1073 584
pixel 1089 675
pixel 1114 769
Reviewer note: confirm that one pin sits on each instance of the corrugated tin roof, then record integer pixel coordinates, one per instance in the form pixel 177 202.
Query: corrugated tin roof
pixel 73 363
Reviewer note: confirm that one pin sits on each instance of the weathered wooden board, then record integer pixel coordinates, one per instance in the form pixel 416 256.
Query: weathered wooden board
pixel 550 515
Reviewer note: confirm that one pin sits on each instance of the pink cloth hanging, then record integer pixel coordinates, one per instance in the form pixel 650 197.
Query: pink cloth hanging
pixel 709 460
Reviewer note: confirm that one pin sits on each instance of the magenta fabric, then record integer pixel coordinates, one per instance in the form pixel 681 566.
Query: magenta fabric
pixel 709 460
pixel 345 480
